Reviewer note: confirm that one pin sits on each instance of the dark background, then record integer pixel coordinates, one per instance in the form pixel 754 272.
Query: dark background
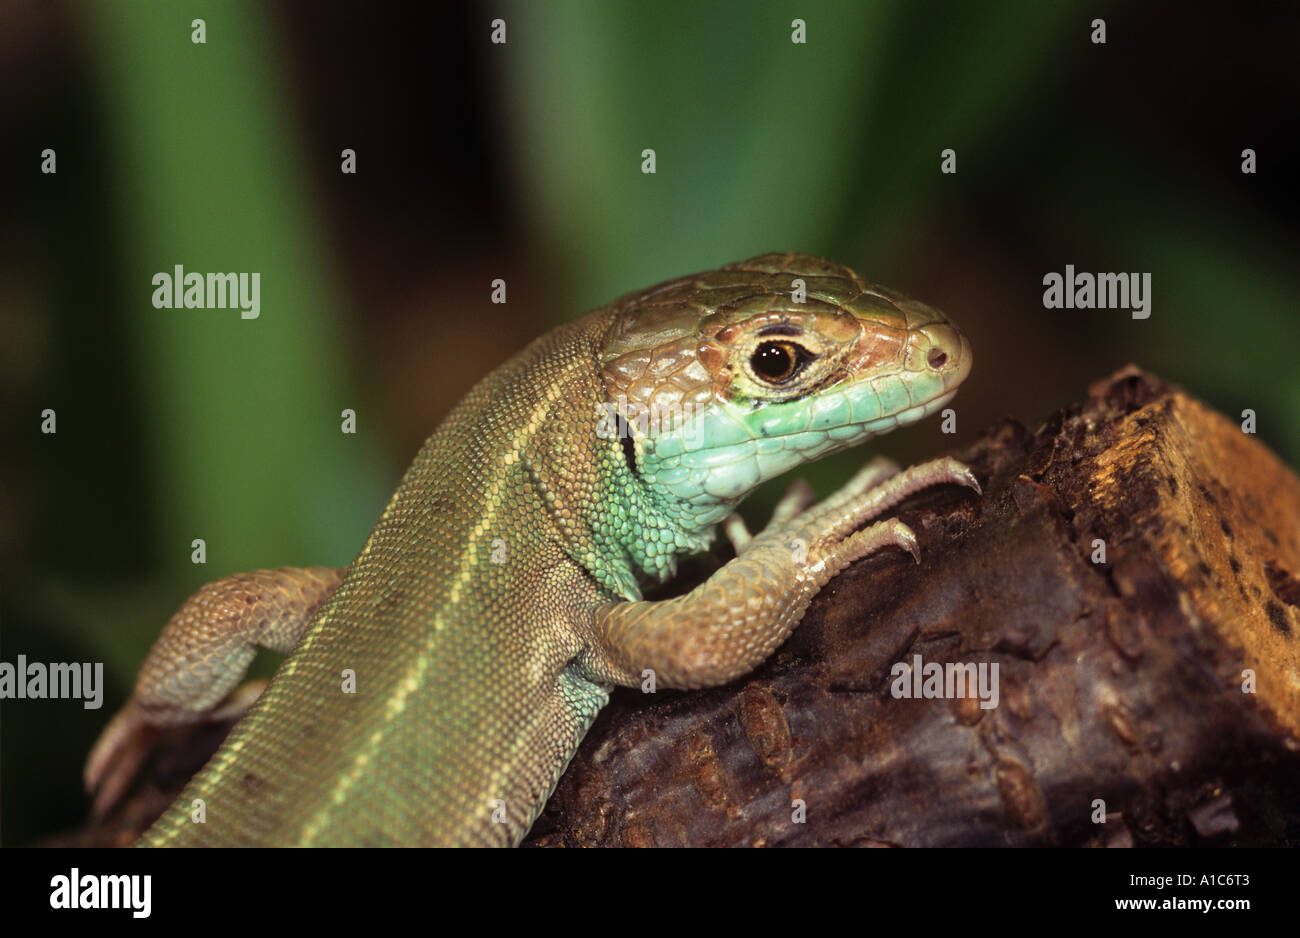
pixel 523 161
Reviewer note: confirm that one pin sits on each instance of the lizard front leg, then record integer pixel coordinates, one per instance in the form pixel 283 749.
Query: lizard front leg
pixel 734 620
pixel 192 671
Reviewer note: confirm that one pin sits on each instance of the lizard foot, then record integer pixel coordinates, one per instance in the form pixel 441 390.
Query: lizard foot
pixel 829 530
pixel 133 732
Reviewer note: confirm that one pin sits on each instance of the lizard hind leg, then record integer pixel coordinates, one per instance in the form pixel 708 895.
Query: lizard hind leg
pixel 125 744
pixel 193 672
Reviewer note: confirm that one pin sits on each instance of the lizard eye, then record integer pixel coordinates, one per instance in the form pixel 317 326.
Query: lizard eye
pixel 778 362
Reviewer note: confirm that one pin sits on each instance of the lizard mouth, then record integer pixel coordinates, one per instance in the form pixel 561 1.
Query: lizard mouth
pixel 728 451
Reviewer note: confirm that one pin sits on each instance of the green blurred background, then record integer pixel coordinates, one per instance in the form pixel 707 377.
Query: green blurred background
pixel 523 161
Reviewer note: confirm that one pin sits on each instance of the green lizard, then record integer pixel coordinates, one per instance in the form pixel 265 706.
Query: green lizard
pixel 497 597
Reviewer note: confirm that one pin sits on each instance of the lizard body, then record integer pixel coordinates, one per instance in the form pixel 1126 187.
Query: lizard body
pixel 497 598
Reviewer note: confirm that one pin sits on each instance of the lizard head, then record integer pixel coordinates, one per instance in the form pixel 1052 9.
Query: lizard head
pixel 729 378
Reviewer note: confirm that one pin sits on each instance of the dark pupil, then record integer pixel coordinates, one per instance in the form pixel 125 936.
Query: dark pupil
pixel 774 361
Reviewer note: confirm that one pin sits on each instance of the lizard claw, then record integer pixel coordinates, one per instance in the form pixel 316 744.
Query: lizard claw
pixel 117 756
pixel 963 475
pixel 882 534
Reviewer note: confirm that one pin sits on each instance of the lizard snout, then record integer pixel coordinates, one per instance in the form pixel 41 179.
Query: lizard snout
pixel 942 350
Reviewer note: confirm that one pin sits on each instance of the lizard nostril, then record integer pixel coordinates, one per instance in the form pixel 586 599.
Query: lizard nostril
pixel 936 358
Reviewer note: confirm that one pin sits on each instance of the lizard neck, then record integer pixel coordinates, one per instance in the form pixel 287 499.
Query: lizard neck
pixel 592 499
pixel 639 530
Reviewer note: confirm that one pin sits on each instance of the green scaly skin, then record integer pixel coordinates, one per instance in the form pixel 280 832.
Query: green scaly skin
pixel 498 597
